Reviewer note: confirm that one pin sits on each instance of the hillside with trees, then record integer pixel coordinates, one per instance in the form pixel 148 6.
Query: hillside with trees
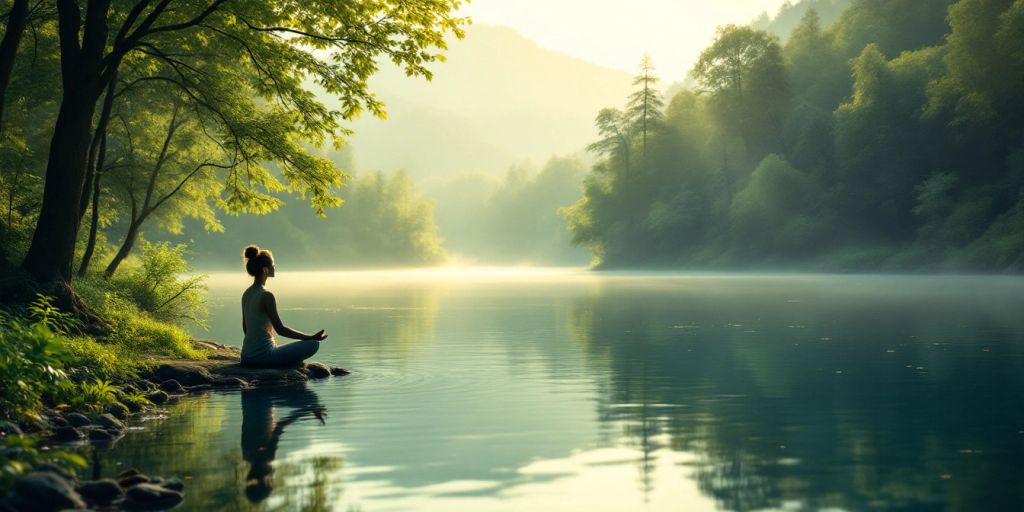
pixel 891 139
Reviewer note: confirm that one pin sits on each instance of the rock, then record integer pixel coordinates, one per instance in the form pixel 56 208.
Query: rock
pixel 132 480
pixel 199 388
pixel 53 468
pixel 338 371
pixel 230 382
pixel 134 406
pixel 157 397
pixel 173 484
pixel 186 375
pixel 100 492
pixel 118 410
pixel 77 419
pixel 145 385
pixel 109 422
pixel 128 472
pixel 67 433
pixel 317 370
pixel 7 428
pixel 105 435
pixel 147 496
pixel 172 386
pixel 45 491
pixel 58 421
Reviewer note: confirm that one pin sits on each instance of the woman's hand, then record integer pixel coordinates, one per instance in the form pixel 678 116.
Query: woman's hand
pixel 319 336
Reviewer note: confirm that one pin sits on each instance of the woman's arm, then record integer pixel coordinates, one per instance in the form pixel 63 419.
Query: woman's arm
pixel 270 306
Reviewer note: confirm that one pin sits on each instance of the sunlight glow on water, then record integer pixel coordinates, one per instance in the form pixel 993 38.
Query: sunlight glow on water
pixel 553 389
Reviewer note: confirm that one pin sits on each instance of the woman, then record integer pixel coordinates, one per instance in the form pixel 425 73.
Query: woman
pixel 260 320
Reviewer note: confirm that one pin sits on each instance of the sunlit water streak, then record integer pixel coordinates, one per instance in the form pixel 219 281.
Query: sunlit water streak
pixel 554 389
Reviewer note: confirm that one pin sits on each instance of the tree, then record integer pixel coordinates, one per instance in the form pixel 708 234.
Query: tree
pixel 744 72
pixel 178 174
pixel 277 46
pixel 643 111
pixel 17 18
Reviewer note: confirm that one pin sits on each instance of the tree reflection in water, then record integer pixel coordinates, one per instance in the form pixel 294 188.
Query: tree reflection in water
pixel 797 397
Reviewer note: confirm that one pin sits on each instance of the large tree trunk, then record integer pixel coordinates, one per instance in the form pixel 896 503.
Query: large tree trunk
pixel 16 21
pixel 52 251
pixel 51 255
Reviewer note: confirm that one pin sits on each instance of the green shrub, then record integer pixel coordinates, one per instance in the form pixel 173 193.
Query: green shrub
pixel 161 287
pixel 95 360
pixel 137 333
pixel 30 363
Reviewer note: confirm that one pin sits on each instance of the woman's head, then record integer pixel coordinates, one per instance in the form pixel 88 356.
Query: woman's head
pixel 258 261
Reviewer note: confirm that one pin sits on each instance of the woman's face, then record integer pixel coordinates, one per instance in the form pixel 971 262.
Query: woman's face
pixel 269 271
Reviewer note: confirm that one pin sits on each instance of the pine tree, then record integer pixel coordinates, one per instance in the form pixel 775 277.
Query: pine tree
pixel 644 110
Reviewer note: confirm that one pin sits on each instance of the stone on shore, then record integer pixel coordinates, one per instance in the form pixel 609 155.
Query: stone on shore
pixel 187 376
pixel 173 484
pixel 147 496
pixel 50 467
pixel 157 397
pixel 45 491
pixel 131 478
pixel 119 410
pixel 230 382
pixel 108 421
pixel 103 435
pixel 100 492
pixel 77 419
pixel 67 433
pixel 172 386
pixel 338 371
pixel 134 406
pixel 317 370
pixel 222 369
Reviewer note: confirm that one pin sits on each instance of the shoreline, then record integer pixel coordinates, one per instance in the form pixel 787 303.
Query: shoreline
pixel 50 487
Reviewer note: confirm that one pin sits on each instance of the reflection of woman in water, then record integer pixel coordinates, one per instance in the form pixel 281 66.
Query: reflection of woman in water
pixel 261 431
pixel 260 320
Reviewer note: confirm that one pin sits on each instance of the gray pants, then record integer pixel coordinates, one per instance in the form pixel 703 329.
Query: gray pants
pixel 284 356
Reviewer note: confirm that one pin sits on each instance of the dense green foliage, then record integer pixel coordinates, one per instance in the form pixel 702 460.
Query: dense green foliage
pixel 47 362
pixel 384 222
pixel 32 360
pixel 892 139
pixel 131 117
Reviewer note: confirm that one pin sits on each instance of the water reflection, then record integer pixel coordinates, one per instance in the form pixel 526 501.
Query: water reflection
pixel 622 393
pixel 884 397
pixel 262 430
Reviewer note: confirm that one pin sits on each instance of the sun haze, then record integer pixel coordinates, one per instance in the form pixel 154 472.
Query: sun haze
pixel 616 33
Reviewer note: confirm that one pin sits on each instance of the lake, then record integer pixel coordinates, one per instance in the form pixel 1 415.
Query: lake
pixel 563 389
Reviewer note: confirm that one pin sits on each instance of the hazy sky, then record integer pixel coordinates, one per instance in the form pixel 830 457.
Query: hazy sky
pixel 616 33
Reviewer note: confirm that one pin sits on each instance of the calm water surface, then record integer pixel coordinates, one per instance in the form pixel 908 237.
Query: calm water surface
pixel 566 390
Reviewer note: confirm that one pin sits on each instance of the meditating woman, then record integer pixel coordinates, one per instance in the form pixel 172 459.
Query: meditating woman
pixel 260 320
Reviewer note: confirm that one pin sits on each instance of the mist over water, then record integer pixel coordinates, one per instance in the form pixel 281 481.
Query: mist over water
pixel 559 389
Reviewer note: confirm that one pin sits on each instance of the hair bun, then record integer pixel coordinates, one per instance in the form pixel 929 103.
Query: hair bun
pixel 251 251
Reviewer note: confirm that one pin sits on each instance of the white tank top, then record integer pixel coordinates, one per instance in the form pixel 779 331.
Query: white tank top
pixel 259 335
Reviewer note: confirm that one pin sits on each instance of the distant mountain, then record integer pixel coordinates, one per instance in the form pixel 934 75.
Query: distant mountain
pixel 789 15
pixel 500 99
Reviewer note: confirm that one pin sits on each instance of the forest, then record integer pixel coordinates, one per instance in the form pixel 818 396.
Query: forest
pixel 889 139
